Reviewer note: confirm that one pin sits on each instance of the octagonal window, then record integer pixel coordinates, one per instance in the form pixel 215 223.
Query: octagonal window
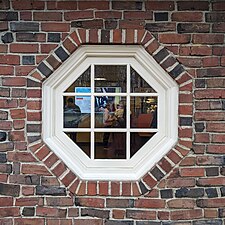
pixel 110 112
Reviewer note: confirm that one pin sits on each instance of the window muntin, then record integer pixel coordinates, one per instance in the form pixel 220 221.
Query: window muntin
pixel 110 85
pixel 151 152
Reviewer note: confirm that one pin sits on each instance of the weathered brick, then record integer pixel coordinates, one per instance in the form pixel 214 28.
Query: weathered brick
pixel 191 193
pixel 55 191
pixel 190 5
pixel 193 27
pixel 7 38
pixel 9 189
pixel 61 53
pixel 160 27
pixel 95 213
pixel 30 37
pixel 24 26
pixel 88 24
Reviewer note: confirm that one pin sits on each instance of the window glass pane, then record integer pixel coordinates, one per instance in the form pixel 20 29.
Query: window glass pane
pixel 77 111
pixel 110 78
pixel 110 111
pixel 137 140
pixel 82 139
pixel 81 82
pixel 110 145
pixel 143 112
pixel 138 84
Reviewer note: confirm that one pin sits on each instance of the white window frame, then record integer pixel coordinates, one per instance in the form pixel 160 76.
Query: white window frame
pixel 110 169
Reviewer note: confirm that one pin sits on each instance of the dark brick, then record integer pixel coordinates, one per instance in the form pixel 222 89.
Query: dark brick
pixel 4 92
pixel 157 173
pixel 4 4
pixel 32 83
pixel 185 121
pixel 193 28
pixel 223 104
pixel 33 127
pixel 32 180
pixel 29 37
pixel 88 24
pixel 44 69
pixel 221 212
pixel 222 171
pixel 176 223
pixel 167 193
pixel 191 193
pixel 3 115
pixel 95 213
pixel 19 92
pixel 7 38
pixel 3 158
pixel 161 16
pixel 24 26
pixel 55 191
pixel 162 27
pixel 215 17
pixel 193 5
pixel 211 192
pixel 32 139
pixel 148 223
pixel 105 34
pixel 9 16
pixel 208 222
pixel 7 146
pixel 200 83
pixel 222 189
pixel 28 60
pixel 9 189
pixel 60 52
pixel 176 71
pixel 111 24
pixel 162 54
pixel 54 37
pixel 118 222
pixel 117 203
pixel 143 187
pixel 28 211
pixel 130 5
pixel 212 171
pixel 199 127
pixel 6 168
pixel 3 136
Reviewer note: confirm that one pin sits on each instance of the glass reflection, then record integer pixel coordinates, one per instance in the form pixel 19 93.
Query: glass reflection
pixel 137 140
pixel 143 112
pixel 82 81
pixel 115 148
pixel 110 112
pixel 110 78
pixel 77 111
pixel 82 139
pixel 138 84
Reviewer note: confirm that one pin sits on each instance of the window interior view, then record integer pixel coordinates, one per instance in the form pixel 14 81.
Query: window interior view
pixel 110 112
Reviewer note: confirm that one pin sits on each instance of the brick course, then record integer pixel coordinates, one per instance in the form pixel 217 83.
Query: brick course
pixel 187 39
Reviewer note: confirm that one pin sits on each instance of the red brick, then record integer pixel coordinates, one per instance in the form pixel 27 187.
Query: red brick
pixel 216 149
pixel 19 124
pixel 6 125
pixel 24 48
pixel 138 15
pixel 6 201
pixel 129 36
pixel 211 213
pixel 150 203
pixel 17 113
pixel 10 59
pixel 191 62
pixel 34 169
pixel 17 136
pixel 103 188
pixel 218 138
pixel 34 105
pixel 188 161
pixel 69 45
pixel 59 201
pixel 59 169
pixel 208 38
pixel 55 27
pixel 51 160
pixel 159 6
pixel 3 47
pixel 31 201
pixel 186 214
pixel 50 212
pixel 211 203
pixel 101 5
pixel 149 180
pixel 77 15
pixel 208 160
pixel 20 157
pixel 210 116
pixel 63 5
pixel 115 188
pixel 6 70
pixel 34 93
pixel 172 155
pixel 206 93
pixel 90 221
pixel 126 189
pixel 34 116
pixel 14 81
pixel 27 190
pixel 202 138
pixel 118 214
pixel 210 61
pixel 131 24
pixel 165 165
pixel 187 16
pixel 141 214
pixel 9 212
pixel 47 48
pixel 219 181
pixel 42 153
pixel 26 4
pixel 180 182
pixel 91 188
pixel 218 127
pixel 73 186
pixel 68 178
pixel 175 38
pixel 92 202
pixel 108 14
pixel 47 16
pixel 181 203
pixel 192 172
pixel 185 109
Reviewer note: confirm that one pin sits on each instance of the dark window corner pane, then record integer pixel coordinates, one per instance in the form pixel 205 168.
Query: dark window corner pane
pixel 138 140
pixel 82 140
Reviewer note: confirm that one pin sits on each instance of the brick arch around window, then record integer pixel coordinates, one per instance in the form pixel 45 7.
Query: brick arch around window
pixel 165 166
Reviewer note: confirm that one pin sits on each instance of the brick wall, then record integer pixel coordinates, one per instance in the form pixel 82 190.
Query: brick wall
pixel 187 185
